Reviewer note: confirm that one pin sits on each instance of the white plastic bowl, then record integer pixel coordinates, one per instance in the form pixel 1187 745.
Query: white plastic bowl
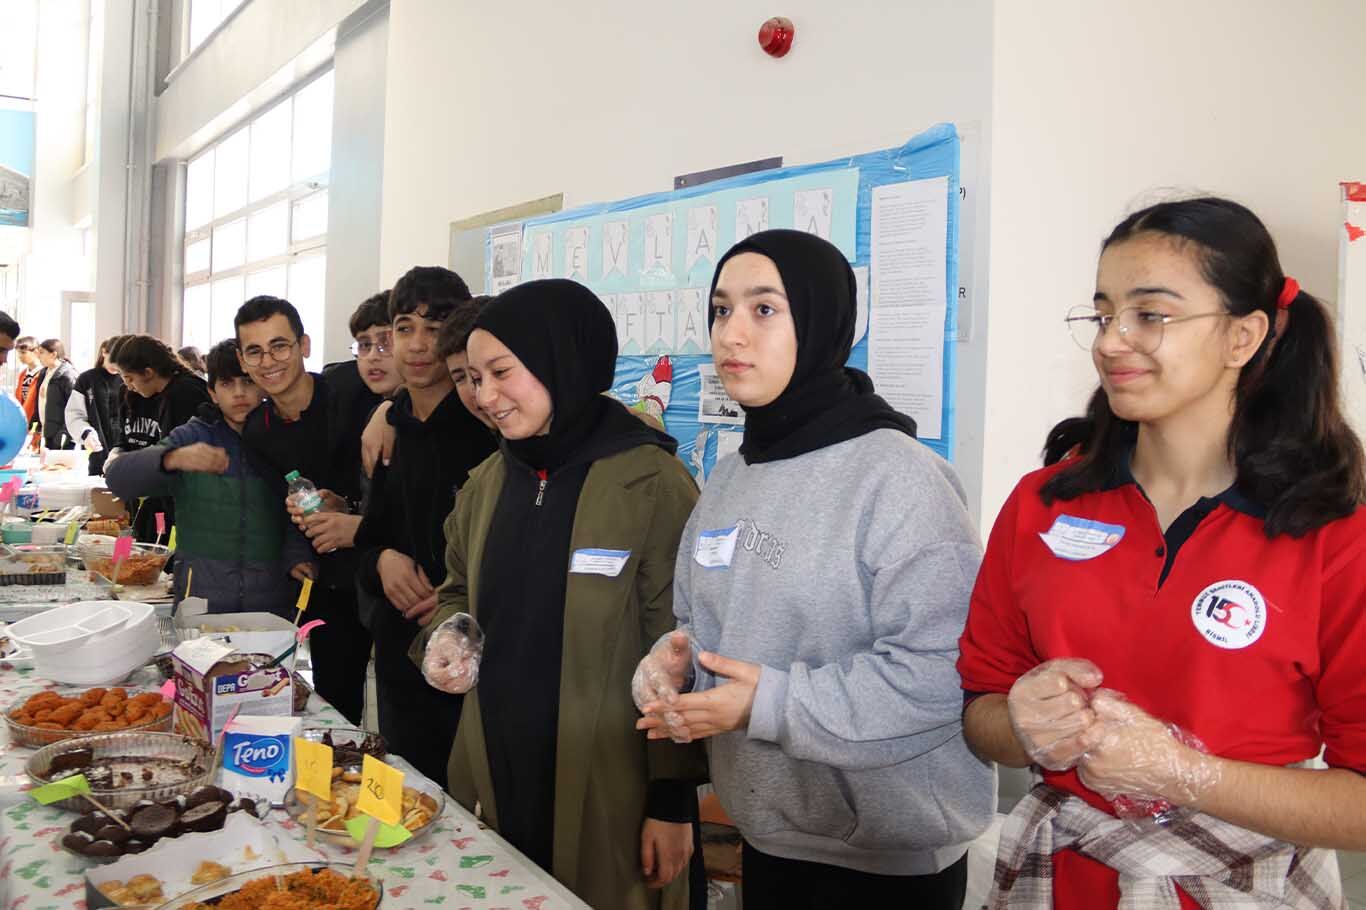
pixel 92 642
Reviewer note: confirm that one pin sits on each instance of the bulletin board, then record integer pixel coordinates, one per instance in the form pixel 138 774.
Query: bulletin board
pixel 894 213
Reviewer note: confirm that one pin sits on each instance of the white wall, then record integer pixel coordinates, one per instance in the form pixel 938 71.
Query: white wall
pixel 355 197
pixel 614 98
pixel 1096 107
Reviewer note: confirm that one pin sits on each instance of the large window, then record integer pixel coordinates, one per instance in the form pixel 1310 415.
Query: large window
pixel 256 218
pixel 207 15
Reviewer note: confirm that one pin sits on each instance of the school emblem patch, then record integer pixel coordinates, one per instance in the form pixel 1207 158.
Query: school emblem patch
pixel 1230 614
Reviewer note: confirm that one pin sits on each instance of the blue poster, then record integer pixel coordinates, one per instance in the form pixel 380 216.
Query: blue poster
pixel 16 166
pixel 651 258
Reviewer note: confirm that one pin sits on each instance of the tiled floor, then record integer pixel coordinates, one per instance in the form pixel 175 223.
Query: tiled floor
pixel 1353 867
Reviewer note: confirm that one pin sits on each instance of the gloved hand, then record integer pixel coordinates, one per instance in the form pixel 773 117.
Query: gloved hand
pixel 1049 709
pixel 451 661
pixel 663 673
pixel 1131 754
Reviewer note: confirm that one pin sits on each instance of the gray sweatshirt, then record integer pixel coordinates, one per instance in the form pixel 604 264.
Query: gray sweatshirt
pixel 846 574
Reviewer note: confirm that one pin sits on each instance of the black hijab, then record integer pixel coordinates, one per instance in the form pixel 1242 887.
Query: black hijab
pixel 565 336
pixel 825 402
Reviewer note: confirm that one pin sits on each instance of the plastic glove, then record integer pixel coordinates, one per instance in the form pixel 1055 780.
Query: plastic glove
pixel 1144 763
pixel 663 673
pixel 92 443
pixel 451 661
pixel 1049 709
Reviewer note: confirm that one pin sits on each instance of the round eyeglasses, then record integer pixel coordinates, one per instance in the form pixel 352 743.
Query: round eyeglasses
pixel 1142 330
pixel 381 345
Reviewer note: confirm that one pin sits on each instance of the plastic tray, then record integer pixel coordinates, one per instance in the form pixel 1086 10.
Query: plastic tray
pixel 128 745
pixel 63 629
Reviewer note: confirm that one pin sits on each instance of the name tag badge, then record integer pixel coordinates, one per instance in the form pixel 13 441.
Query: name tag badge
pixel 1078 539
pixel 599 562
pixel 715 549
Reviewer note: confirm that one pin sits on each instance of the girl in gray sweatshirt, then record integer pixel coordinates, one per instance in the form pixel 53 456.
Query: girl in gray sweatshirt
pixel 821 586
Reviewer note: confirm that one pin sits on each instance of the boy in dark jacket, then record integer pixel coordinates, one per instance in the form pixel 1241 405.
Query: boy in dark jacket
pixel 231 530
pixel 401 539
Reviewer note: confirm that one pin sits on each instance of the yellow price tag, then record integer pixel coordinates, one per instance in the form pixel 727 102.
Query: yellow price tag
pixel 313 768
pixel 71 531
pixel 170 541
pixel 304 593
pixel 381 791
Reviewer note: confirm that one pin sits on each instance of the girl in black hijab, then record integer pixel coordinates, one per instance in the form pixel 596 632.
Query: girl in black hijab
pixel 832 562
pixel 562 546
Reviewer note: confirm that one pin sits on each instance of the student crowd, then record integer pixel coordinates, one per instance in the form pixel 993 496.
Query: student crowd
pixel 1167 623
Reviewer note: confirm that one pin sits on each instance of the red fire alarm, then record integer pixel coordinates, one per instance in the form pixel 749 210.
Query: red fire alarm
pixel 775 36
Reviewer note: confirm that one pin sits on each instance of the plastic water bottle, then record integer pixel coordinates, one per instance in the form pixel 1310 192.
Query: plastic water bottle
pixel 303 494
pixel 26 499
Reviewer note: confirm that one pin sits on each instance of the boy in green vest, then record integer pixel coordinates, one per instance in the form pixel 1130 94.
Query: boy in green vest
pixel 231 529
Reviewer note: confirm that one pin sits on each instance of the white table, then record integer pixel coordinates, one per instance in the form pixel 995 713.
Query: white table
pixel 457 864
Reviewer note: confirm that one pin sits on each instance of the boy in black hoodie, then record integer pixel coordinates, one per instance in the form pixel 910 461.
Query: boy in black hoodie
pixel 401 536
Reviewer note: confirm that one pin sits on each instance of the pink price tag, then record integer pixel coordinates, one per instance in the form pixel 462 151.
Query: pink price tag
pixel 161 524
pixel 308 627
pixel 168 690
pixel 6 493
pixel 123 548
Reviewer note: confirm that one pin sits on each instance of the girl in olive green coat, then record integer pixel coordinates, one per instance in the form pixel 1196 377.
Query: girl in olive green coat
pixel 562 546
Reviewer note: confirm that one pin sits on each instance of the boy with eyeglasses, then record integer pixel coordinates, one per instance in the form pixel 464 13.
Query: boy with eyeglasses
pixel 373 347
pixel 311 423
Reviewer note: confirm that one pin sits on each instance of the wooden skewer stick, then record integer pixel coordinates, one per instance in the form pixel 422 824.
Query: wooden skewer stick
pixel 107 811
pixel 367 847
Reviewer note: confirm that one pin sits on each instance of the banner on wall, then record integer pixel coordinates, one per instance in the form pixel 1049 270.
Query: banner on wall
pixel 893 213
pixel 17 138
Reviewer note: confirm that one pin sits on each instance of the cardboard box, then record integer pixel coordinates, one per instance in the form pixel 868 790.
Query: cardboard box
pixel 213 679
pixel 243 844
pixel 250 633
pixel 105 504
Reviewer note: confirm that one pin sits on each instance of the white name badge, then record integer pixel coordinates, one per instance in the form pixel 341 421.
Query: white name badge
pixel 1078 539
pixel 599 562
pixel 715 549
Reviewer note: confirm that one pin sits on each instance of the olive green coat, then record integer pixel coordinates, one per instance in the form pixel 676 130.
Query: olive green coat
pixel 637 500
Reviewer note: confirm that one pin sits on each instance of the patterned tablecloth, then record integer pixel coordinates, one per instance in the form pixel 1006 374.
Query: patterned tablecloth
pixel 456 865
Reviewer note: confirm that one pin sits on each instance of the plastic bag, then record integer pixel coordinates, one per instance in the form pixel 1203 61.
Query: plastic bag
pixel 451 661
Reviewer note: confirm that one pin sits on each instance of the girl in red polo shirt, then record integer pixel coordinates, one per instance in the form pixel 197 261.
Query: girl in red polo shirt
pixel 1170 615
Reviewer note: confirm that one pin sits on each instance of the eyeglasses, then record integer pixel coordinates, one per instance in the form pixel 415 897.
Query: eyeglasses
pixel 1142 330
pixel 384 344
pixel 279 352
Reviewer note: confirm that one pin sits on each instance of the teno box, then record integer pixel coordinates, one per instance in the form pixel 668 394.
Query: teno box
pixel 212 680
pixel 258 756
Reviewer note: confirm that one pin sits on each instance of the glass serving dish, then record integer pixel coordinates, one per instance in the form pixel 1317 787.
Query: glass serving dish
pixel 424 794
pixel 142 567
pixel 34 737
pixel 349 744
pixel 253 890
pixel 179 765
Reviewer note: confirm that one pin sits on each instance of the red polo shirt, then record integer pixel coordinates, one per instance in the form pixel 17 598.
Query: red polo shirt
pixel 1255 645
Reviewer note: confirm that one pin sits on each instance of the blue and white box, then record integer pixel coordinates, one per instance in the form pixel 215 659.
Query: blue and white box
pixel 258 755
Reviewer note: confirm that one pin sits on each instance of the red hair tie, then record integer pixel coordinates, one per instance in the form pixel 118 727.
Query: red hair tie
pixel 1289 291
